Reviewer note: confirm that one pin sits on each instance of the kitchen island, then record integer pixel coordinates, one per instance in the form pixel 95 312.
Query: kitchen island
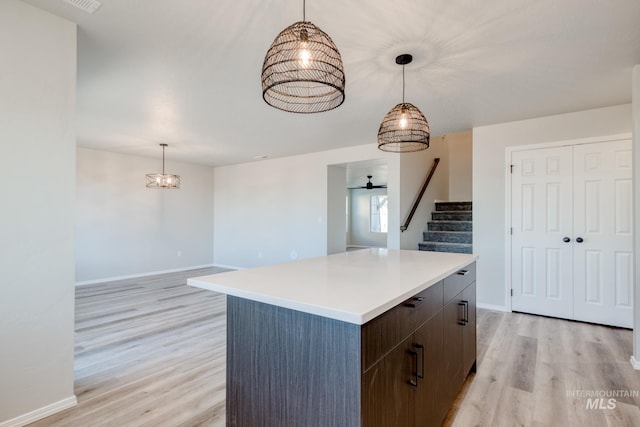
pixel 373 337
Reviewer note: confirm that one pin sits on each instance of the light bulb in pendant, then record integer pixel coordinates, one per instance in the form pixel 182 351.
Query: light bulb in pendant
pixel 403 119
pixel 305 56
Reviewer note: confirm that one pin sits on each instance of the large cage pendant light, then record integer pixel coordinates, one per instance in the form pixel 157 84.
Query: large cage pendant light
pixel 163 180
pixel 302 71
pixel 404 128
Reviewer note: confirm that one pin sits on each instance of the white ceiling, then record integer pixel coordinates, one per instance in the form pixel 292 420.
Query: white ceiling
pixel 187 73
pixel 357 173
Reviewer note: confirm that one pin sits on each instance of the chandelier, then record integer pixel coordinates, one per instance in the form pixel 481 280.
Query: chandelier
pixel 163 180
pixel 404 128
pixel 302 71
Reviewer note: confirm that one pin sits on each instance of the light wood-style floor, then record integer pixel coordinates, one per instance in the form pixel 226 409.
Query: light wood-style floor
pixel 151 352
pixel 538 371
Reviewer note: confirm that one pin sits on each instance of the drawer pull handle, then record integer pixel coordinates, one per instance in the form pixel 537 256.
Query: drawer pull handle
pixel 421 347
pixel 414 381
pixel 465 306
pixel 413 303
pixel 462 272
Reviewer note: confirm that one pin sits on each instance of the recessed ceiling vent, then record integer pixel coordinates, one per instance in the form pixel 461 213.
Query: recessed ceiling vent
pixel 88 6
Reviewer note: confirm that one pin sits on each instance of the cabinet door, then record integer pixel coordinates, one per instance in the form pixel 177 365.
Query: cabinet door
pixel 388 397
pixel 469 330
pixel 452 316
pixel 431 408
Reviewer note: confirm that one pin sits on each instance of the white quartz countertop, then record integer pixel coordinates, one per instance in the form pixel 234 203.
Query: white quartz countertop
pixel 353 287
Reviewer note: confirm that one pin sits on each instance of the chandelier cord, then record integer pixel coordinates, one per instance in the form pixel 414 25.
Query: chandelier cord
pixel 403 83
pixel 304 11
pixel 163 159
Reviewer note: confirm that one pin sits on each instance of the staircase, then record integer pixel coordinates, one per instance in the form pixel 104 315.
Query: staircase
pixel 449 229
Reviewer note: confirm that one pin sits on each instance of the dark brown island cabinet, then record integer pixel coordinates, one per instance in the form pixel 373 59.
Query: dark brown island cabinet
pixel 403 368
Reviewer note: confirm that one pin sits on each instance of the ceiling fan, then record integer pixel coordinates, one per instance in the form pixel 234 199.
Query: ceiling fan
pixel 369 185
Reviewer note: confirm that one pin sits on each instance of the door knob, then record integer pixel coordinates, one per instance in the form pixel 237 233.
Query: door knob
pixel 579 240
pixel 566 240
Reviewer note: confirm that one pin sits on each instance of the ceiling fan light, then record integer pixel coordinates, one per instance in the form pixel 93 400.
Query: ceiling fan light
pixel 302 71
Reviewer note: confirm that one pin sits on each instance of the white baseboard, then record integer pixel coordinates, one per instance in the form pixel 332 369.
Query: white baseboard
pixel 41 413
pixel 492 307
pixel 230 267
pixel 135 276
pixel 635 363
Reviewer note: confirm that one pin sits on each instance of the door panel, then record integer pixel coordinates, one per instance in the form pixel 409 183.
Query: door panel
pixel 452 315
pixel 388 381
pixel 603 219
pixel 469 331
pixel 431 408
pixel 624 279
pixel 541 218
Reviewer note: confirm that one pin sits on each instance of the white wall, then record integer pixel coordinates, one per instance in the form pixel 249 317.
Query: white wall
pixel 636 213
pixel 460 166
pixel 125 229
pixel 360 213
pixel 276 210
pixel 489 171
pixel 37 104
pixel 336 209
pixel 414 168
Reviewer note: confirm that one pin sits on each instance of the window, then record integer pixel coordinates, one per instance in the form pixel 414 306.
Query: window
pixel 348 217
pixel 379 217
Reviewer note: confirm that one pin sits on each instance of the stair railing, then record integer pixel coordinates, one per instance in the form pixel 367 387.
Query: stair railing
pixel 419 198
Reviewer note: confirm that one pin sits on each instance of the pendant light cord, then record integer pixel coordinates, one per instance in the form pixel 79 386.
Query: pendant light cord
pixel 403 83
pixel 163 159
pixel 304 11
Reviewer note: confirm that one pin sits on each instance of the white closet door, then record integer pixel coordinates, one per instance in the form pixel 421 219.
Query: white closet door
pixel 541 262
pixel 603 281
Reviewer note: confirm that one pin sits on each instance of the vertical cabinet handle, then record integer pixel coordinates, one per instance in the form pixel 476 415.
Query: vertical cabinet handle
pixel 462 321
pixel 421 348
pixel 414 381
pixel 465 313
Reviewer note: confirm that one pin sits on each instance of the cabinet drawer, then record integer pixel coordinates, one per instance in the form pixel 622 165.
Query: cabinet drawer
pixel 427 303
pixel 459 280
pixel 382 334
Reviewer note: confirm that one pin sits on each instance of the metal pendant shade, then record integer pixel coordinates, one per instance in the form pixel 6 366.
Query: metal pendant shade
pixel 302 71
pixel 404 129
pixel 163 180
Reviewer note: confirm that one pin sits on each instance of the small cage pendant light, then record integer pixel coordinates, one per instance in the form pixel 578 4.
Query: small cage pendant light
pixel 404 128
pixel 302 71
pixel 163 180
